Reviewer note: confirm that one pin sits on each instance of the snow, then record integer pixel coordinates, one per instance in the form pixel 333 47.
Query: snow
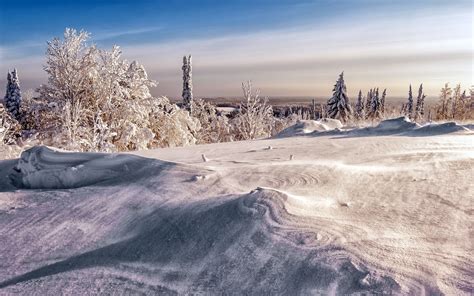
pixel 308 126
pixel 43 168
pixel 386 212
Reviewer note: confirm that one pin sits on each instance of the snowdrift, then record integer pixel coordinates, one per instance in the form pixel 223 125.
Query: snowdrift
pixel 43 168
pixel 397 126
pixel 303 127
pixel 346 215
pixel 434 129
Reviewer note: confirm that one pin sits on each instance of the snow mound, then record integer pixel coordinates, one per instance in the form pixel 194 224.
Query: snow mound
pixel 434 129
pixel 403 126
pixel 43 168
pixel 303 127
pixel 386 127
pixel 396 124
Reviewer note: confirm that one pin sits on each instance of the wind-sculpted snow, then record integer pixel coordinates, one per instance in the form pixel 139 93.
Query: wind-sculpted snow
pixel 43 168
pixel 346 216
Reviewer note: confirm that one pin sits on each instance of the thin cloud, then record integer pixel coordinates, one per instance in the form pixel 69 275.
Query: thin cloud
pixel 105 35
pixel 386 51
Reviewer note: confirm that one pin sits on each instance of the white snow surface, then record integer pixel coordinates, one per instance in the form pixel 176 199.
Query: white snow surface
pixel 303 127
pixel 365 211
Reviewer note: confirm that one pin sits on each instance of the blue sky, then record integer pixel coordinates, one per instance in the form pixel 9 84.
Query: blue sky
pixel 288 48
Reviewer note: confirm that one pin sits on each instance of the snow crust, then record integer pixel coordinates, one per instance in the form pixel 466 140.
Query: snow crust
pixel 347 215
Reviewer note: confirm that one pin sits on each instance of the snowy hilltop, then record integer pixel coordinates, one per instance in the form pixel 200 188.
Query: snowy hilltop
pixel 320 209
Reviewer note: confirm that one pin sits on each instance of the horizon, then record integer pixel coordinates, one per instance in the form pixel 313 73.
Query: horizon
pixel 287 48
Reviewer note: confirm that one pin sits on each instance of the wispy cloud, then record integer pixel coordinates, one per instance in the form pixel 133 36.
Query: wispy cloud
pixel 105 35
pixel 305 60
pixel 390 50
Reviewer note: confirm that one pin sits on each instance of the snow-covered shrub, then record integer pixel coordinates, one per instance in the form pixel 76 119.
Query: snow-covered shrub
pixel 254 118
pixel 215 128
pixel 12 98
pixel 338 105
pixel 10 129
pixel 171 125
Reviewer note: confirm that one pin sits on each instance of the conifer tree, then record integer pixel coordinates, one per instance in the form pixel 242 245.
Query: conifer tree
pixel 420 104
pixel 360 106
pixel 409 108
pixel 367 102
pixel 12 98
pixel 382 102
pixel 187 82
pixel 375 105
pixel 338 105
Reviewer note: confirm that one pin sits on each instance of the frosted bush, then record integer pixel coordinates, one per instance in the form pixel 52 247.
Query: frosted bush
pixel 214 128
pixel 255 116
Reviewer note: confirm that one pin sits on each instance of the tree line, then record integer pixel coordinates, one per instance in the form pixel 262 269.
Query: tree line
pixel 95 100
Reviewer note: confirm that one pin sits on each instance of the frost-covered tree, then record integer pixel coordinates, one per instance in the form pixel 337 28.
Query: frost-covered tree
pixel 254 118
pixel 360 106
pixel 71 66
pixel 375 105
pixel 368 101
pixel 420 104
pixel 455 101
pixel 187 81
pixel 338 105
pixel 12 98
pixel 409 106
pixel 10 130
pixel 442 109
pixel 382 102
pixel 464 106
pixel 96 100
pixel 122 98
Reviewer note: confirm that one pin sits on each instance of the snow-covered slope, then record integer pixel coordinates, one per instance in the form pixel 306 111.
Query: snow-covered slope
pixel 347 215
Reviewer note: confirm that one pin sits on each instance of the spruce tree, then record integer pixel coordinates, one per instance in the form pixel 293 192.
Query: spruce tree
pixel 420 103
pixel 187 82
pixel 375 105
pixel 368 100
pixel 382 102
pixel 12 98
pixel 338 105
pixel 360 106
pixel 409 108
